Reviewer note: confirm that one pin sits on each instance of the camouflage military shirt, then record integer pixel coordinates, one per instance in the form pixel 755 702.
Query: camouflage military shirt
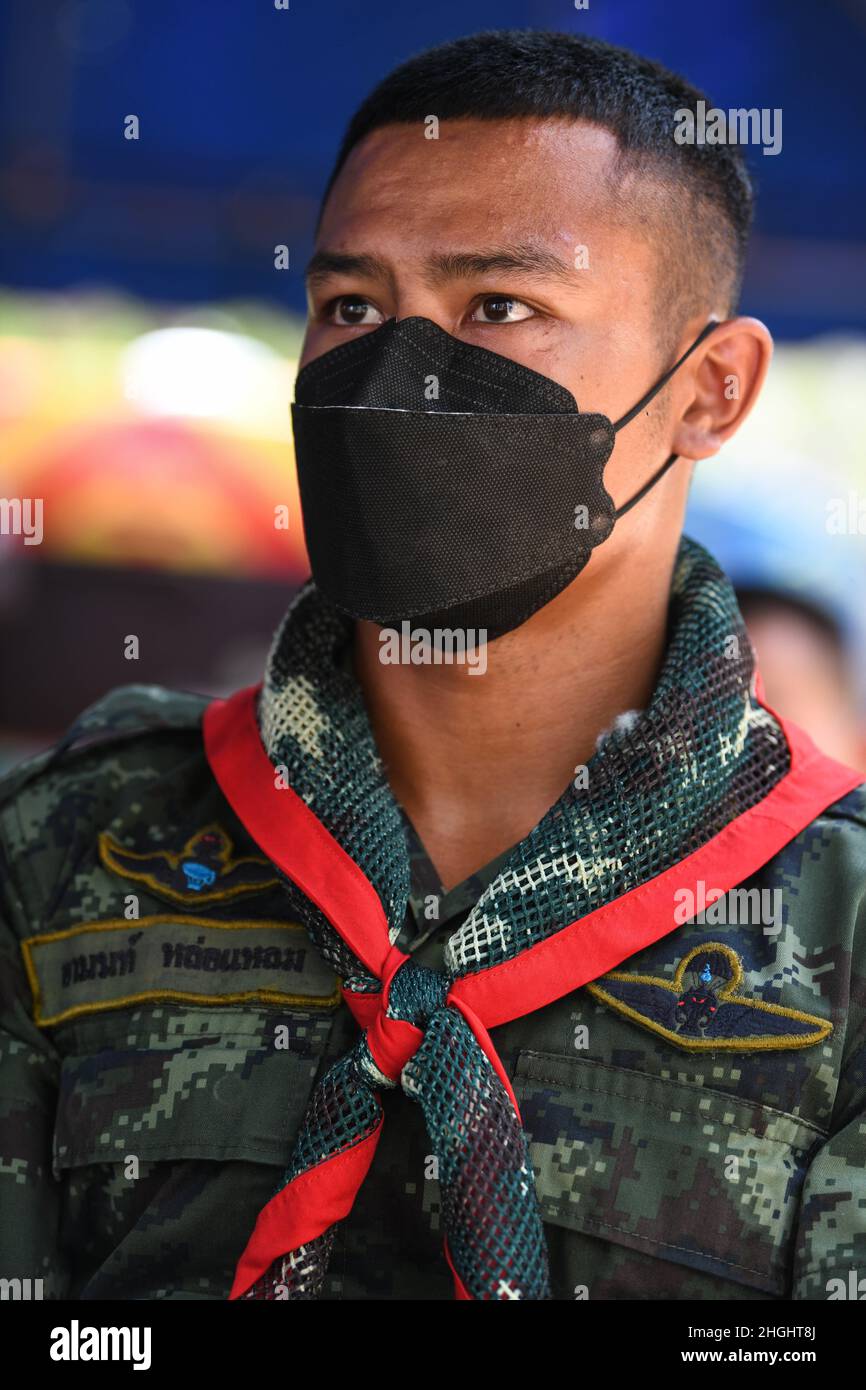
pixel 164 1021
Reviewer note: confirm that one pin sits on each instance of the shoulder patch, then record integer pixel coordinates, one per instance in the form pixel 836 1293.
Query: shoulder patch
pixel 701 1010
pixel 173 958
pixel 203 870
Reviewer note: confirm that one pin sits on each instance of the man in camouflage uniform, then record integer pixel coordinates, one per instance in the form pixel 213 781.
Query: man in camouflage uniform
pixel 695 1114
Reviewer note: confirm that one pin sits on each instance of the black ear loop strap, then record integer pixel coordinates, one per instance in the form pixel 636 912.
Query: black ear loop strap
pixel 644 401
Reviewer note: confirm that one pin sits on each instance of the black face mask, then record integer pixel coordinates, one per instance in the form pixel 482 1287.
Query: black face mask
pixel 443 483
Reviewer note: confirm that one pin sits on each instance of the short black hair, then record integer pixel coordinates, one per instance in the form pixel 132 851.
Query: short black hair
pixel 707 195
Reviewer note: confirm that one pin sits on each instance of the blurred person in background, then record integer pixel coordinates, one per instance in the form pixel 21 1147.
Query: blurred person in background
pixel 801 594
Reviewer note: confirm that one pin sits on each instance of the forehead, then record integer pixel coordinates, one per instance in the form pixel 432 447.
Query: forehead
pixel 522 179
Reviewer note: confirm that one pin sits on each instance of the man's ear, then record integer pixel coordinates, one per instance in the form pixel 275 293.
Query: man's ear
pixel 724 383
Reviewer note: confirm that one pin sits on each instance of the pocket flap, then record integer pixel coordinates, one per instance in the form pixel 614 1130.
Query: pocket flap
pixel 172 1084
pixel 679 1171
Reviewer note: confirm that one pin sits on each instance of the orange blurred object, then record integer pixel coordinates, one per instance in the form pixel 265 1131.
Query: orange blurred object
pixel 167 493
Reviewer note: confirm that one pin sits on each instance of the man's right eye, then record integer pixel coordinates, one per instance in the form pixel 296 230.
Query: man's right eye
pixel 352 311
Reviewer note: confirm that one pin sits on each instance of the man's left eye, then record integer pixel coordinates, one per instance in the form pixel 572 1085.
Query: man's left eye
pixel 495 308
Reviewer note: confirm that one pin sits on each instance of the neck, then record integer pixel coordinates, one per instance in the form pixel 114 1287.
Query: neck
pixel 477 759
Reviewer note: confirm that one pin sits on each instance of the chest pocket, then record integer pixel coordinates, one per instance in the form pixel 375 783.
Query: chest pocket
pixel 172 1128
pixel 668 1170
pixel 165 1083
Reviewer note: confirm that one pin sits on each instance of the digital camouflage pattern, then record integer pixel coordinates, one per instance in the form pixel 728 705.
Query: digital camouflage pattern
pixel 661 784
pixel 673 1174
pixel 143 1130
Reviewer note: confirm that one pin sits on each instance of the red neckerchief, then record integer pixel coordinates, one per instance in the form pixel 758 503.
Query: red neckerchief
pixel 291 836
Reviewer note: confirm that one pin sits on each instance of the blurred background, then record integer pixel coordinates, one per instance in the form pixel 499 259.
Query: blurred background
pixel 149 334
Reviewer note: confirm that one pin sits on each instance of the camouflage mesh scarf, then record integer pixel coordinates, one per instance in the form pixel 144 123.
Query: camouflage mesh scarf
pixel 659 787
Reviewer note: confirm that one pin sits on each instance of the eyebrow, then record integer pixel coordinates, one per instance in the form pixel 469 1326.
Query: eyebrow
pixel 447 265
pixel 462 265
pixel 326 263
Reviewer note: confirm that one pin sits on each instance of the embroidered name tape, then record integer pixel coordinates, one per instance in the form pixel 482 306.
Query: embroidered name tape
pixel 192 960
pixel 701 1008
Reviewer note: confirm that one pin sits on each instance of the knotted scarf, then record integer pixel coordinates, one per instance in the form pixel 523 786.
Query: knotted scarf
pixel 706 767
